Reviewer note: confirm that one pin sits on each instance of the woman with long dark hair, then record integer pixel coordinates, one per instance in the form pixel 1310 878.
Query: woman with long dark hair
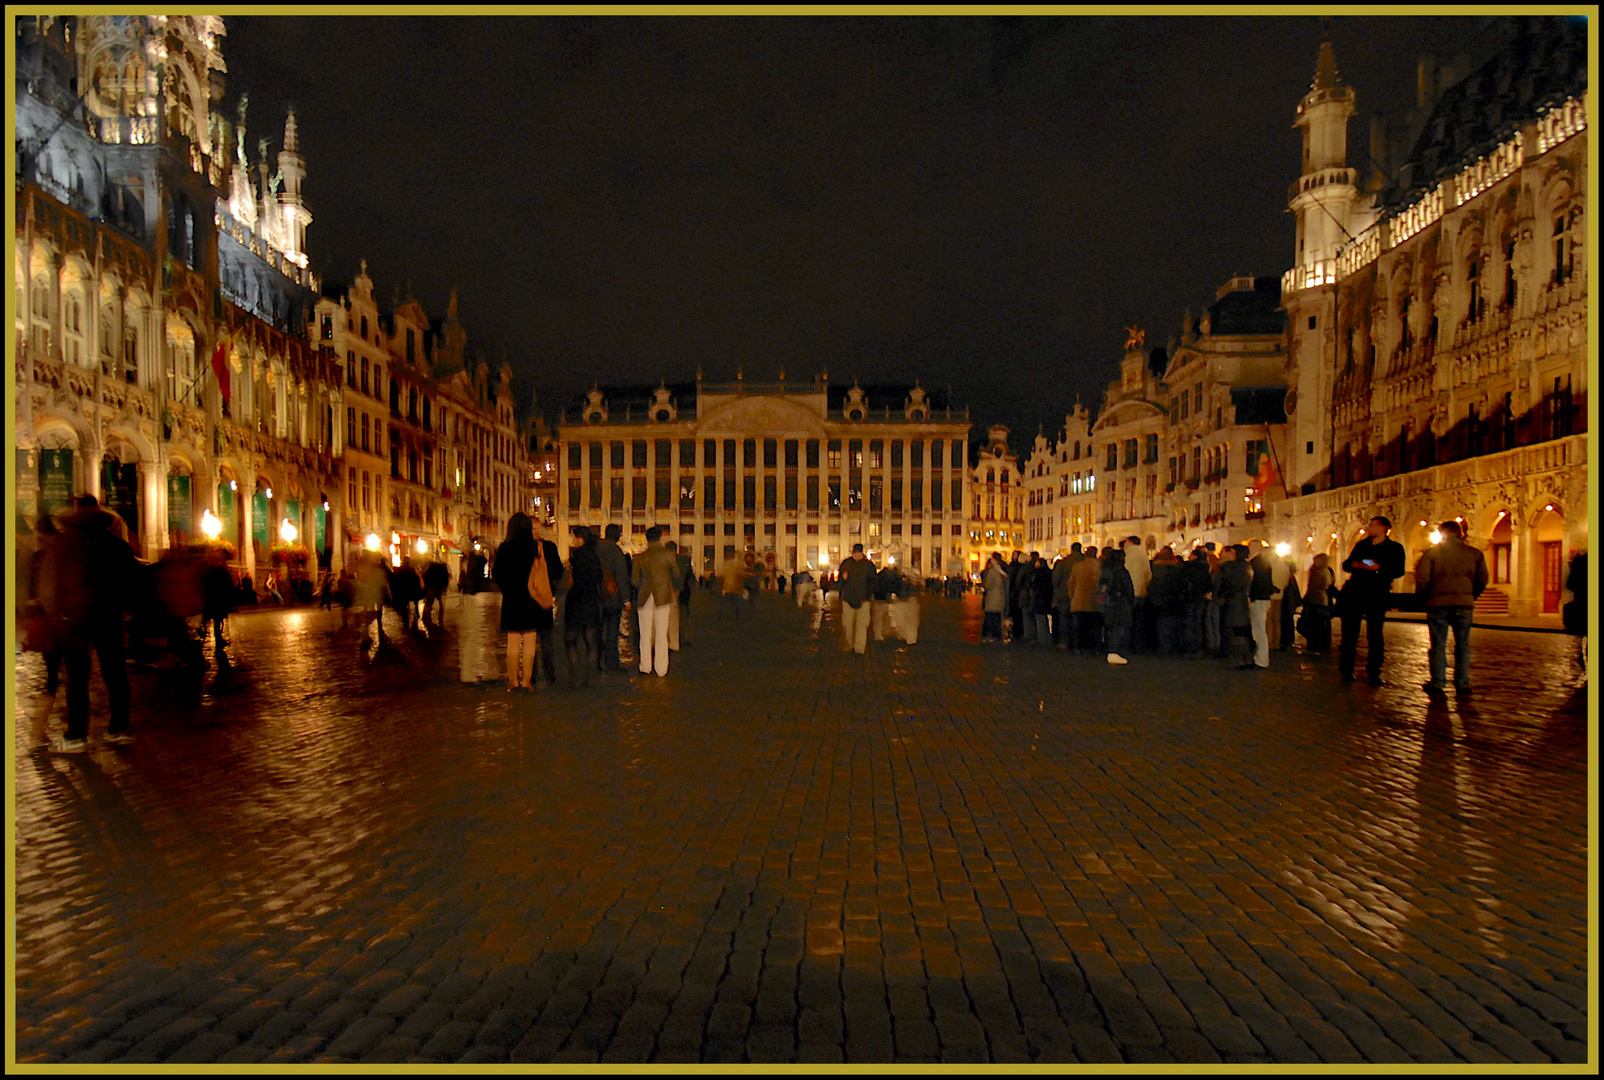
pixel 522 619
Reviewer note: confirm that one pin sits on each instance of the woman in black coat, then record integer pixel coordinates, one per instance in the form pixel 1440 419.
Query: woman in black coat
pixel 522 619
pixel 1116 595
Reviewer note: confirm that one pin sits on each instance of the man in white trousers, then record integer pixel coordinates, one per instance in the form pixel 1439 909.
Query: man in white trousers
pixel 657 581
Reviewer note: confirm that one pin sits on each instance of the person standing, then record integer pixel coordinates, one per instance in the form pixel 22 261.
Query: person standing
pixel 994 601
pixel 1199 602
pixel 1375 562
pixel 1261 594
pixel 1061 615
pixel 547 647
pixel 83 591
pixel 522 618
pixel 1291 601
pixel 614 592
pixel 436 577
pixel 1232 582
pixel 857 583
pixel 656 580
pixel 1316 622
pixel 582 607
pixel 1041 601
pixel 1018 575
pixel 1450 575
pixel 1117 597
pixel 687 588
pixel 1085 615
pixel 1141 573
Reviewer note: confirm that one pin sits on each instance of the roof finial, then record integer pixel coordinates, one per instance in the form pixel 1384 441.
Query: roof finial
pixel 1325 75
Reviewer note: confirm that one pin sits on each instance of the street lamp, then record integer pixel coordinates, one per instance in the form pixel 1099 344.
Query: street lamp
pixel 423 546
pixel 372 542
pixel 1283 549
pixel 1435 537
pixel 287 531
pixel 210 525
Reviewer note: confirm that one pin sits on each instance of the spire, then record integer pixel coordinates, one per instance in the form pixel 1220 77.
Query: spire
pixel 292 143
pixel 1325 74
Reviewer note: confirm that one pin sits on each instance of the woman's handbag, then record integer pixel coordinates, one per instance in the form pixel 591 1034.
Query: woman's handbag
pixel 540 583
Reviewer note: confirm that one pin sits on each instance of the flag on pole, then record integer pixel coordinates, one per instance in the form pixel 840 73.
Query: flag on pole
pixel 1266 475
pixel 220 366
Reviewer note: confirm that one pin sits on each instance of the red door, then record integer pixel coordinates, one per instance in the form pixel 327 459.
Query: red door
pixel 1552 576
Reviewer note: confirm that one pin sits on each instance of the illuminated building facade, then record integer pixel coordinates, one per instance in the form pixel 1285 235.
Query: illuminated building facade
pixel 996 502
pixel 1130 433
pixel 1438 317
pixel 791 473
pixel 152 264
pixel 1061 488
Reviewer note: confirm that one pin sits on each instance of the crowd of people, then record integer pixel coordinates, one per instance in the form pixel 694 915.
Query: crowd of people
pixel 1240 602
pixel 86 594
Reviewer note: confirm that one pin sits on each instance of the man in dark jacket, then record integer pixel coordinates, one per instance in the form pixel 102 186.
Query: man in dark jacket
pixel 1261 593
pixel 857 584
pixel 614 594
pixel 1372 566
pixel 1450 576
pixel 1232 582
pixel 83 590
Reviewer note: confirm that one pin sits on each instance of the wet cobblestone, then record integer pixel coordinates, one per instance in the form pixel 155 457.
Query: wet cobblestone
pixel 781 852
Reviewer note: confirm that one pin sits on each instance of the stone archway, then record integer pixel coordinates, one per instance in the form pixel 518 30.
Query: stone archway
pixel 1547 576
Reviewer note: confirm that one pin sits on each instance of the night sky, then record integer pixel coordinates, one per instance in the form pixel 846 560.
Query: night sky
pixel 980 202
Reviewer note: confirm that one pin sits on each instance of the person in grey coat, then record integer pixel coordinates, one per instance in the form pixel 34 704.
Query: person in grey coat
pixel 1117 597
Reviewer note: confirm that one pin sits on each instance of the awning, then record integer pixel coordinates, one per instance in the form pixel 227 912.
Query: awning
pixel 450 548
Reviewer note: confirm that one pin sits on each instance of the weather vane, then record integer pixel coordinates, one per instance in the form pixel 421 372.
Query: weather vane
pixel 1135 336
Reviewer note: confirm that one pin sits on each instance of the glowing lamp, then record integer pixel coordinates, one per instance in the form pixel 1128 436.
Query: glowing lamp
pixel 423 547
pixel 476 545
pixel 269 493
pixel 210 525
pixel 287 531
pixel 1435 537
pixel 325 504
pixel 1283 549
pixel 372 542
pixel 233 485
pixel 1550 506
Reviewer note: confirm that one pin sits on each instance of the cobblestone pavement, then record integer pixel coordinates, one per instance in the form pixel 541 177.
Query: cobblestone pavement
pixel 946 852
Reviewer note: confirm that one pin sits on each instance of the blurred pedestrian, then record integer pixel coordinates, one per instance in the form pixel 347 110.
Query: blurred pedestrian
pixel 1085 614
pixel 1232 584
pixel 1574 613
pixel 38 632
pixel 615 594
pixel 436 579
pixel 217 601
pixel 547 645
pixel 371 591
pixel 1261 594
pixel 83 591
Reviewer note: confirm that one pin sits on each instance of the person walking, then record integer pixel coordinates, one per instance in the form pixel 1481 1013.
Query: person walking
pixel 614 594
pixel 1574 613
pixel 1117 597
pixel 994 600
pixel 1261 594
pixel 217 601
pixel 1450 575
pixel 682 607
pixel 857 583
pixel 522 618
pixel 582 607
pixel 1375 562
pixel 732 584
pixel 436 579
pixel 657 582
pixel 1085 616
pixel 83 592
pixel 371 589
pixel 36 631
pixel 1317 595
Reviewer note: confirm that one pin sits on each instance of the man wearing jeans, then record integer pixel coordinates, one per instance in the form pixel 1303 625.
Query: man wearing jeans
pixel 1375 562
pixel 1450 576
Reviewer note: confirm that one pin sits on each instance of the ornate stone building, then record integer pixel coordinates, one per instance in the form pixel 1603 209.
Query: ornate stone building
pixel 996 502
pixel 1130 432
pixel 1438 317
pixel 1226 386
pixel 1061 488
pixel 791 473
pixel 162 295
pixel 174 355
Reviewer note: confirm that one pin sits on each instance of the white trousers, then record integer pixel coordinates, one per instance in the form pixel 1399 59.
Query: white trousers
pixel 654 634
pixel 1258 612
pixel 855 623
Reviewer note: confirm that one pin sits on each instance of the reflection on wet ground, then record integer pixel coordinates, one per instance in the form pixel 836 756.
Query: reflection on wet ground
pixel 786 852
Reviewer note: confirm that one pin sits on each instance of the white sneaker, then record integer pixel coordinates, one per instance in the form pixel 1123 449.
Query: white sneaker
pixel 120 738
pixel 1116 658
pixel 63 745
